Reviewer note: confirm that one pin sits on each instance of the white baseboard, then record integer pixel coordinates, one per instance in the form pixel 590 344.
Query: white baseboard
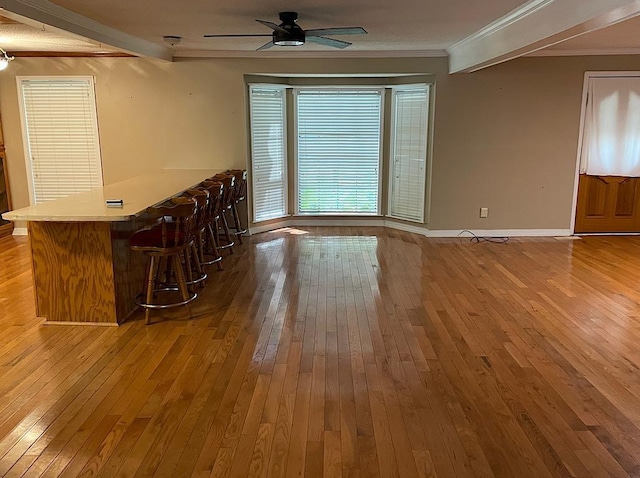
pixel 416 229
pixel 268 227
pixel 501 233
pixel 351 222
pixel 20 231
pixel 308 222
pixel 403 226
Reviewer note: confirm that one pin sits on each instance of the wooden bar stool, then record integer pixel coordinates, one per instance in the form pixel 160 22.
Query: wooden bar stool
pixel 224 236
pixel 195 253
pixel 170 240
pixel 211 254
pixel 239 194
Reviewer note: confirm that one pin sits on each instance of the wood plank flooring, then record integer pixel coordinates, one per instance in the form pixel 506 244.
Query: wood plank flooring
pixel 346 352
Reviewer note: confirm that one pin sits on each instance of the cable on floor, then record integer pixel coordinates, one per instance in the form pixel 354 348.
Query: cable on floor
pixel 476 239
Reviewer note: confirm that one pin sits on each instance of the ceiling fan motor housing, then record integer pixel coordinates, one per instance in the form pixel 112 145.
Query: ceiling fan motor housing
pixel 294 35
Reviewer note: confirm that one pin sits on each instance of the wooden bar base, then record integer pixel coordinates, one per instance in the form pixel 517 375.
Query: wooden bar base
pixel 85 271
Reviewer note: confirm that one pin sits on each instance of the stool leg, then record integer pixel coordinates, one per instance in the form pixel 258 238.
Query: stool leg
pixel 151 274
pixel 187 265
pixel 200 246
pixel 182 283
pixel 236 222
pixel 225 229
pixel 195 255
pixel 214 245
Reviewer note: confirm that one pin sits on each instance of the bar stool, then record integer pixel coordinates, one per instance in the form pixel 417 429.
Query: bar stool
pixel 228 184
pixel 196 251
pixel 210 247
pixel 170 240
pixel 239 194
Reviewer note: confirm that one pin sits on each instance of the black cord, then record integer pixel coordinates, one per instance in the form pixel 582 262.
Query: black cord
pixel 476 239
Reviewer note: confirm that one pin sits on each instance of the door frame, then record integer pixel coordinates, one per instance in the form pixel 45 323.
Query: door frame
pixel 585 86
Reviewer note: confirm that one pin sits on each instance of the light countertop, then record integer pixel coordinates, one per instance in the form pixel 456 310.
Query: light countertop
pixel 136 193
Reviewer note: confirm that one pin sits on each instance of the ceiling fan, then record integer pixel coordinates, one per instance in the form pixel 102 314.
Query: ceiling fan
pixel 289 33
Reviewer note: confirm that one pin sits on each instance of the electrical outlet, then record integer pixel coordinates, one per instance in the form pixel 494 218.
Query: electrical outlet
pixel 484 212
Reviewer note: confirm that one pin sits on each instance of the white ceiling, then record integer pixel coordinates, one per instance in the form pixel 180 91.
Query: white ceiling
pixel 415 25
pixel 474 34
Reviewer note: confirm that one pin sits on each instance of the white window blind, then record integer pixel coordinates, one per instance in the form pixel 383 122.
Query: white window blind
pixel 409 153
pixel 61 135
pixel 268 153
pixel 338 147
pixel 611 134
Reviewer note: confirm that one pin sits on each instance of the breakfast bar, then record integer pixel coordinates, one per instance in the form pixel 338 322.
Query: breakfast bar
pixel 83 269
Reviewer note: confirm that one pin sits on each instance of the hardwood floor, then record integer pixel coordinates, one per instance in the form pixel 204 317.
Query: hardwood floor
pixel 347 352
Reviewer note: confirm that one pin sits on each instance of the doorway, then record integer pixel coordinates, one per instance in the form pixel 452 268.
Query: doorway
pixel 608 185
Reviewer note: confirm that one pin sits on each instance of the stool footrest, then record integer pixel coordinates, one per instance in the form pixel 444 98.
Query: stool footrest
pixel 212 261
pixel 226 246
pixel 139 301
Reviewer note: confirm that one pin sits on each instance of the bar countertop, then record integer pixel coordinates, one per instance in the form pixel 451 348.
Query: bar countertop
pixel 136 194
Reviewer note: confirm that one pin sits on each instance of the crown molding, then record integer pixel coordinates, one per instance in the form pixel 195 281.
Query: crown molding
pixel 586 52
pixel 512 17
pixel 68 54
pixel 311 54
pixel 535 26
pixel 44 14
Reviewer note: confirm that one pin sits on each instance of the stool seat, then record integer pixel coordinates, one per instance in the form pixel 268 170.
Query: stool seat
pixel 155 239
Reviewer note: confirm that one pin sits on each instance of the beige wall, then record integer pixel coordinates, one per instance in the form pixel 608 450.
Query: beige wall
pixel 505 137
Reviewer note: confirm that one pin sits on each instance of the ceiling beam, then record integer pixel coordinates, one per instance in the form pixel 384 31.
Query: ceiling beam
pixel 536 25
pixel 44 13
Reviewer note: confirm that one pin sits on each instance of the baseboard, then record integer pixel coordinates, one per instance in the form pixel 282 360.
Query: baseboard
pixel 351 222
pixel 501 232
pixel 415 229
pixel 402 226
pixel 101 324
pixel 583 234
pixel 268 227
pixel 309 222
pixel 20 231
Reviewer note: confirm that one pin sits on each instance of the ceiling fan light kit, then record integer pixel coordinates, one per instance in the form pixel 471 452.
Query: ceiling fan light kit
pixel 5 59
pixel 289 33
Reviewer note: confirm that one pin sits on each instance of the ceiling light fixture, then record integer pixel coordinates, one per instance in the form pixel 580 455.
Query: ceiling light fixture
pixel 172 40
pixel 293 38
pixel 5 59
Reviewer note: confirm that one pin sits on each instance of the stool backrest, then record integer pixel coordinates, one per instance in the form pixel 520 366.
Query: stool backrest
pixel 228 182
pixel 215 190
pixel 202 200
pixel 240 190
pixel 183 223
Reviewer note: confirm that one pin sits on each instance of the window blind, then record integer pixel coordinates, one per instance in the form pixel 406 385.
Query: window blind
pixel 61 135
pixel 611 132
pixel 338 149
pixel 409 153
pixel 268 153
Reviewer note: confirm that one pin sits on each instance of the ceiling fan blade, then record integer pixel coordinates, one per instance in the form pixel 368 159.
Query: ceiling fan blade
pixel 328 42
pixel 273 26
pixel 265 46
pixel 237 35
pixel 336 31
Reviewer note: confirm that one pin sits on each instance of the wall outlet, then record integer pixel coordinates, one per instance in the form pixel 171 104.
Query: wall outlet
pixel 484 212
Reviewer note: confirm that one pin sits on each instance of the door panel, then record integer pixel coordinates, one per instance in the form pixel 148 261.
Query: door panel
pixel 608 204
